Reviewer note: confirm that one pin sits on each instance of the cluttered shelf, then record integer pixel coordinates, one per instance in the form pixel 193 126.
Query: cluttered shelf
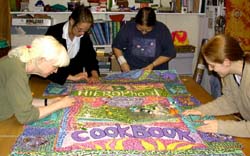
pixel 27 28
pixel 106 12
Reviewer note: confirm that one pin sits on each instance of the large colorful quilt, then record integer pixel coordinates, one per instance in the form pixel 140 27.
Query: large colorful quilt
pixel 135 113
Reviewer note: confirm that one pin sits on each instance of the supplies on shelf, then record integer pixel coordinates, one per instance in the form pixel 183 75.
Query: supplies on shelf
pixel 29 20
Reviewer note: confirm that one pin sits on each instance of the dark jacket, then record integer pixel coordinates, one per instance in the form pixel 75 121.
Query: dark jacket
pixel 85 58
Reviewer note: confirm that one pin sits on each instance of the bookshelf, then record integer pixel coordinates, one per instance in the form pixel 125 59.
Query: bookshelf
pixel 193 23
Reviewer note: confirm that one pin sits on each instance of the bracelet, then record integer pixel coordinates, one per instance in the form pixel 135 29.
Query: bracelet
pixel 121 60
pixel 45 102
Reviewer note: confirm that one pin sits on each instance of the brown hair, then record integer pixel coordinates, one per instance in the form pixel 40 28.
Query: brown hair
pixel 223 46
pixel 82 14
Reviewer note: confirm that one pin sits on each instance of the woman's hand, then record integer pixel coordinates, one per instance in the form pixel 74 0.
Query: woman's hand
pixel 58 104
pixel 210 126
pixel 149 67
pixel 125 67
pixel 78 77
pixel 66 101
pixel 93 79
pixel 192 112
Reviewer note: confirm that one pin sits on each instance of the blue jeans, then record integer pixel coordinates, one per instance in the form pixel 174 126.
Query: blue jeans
pixel 215 85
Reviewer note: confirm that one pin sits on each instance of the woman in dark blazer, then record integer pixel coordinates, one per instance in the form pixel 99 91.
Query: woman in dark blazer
pixel 73 34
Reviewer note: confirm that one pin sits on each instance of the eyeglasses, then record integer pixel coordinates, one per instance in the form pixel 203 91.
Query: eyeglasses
pixel 81 30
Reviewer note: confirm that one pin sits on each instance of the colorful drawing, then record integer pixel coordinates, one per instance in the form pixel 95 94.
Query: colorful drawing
pixel 125 119
pixel 56 89
pixel 142 76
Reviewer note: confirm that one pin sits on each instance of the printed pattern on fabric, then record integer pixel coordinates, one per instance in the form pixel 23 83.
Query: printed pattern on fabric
pixel 136 113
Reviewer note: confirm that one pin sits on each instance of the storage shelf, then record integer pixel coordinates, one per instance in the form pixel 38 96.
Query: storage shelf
pixel 104 46
pixel 193 24
pixel 107 12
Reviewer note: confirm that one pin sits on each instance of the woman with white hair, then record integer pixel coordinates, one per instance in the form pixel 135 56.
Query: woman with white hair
pixel 42 57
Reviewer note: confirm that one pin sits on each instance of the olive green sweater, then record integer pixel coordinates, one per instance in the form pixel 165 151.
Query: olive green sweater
pixel 15 94
pixel 235 99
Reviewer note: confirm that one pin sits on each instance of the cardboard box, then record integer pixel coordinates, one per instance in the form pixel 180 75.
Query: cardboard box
pixel 114 64
pixel 32 21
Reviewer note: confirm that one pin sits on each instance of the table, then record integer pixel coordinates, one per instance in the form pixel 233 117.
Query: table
pixel 11 129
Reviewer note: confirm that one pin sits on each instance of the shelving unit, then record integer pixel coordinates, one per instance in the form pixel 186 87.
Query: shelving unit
pixel 193 23
pixel 62 16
